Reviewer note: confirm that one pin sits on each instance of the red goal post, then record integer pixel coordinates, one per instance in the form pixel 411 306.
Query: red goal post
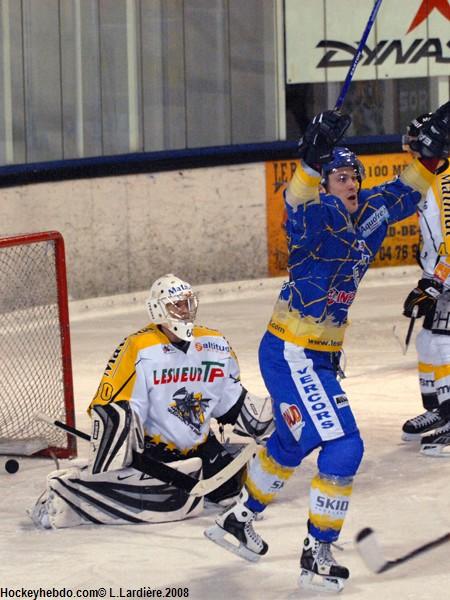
pixel 35 352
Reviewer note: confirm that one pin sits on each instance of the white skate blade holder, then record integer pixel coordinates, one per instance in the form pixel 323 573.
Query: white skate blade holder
pixel 320 583
pixel 437 450
pixel 216 534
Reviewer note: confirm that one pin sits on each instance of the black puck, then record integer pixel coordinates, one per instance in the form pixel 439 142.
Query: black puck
pixel 11 466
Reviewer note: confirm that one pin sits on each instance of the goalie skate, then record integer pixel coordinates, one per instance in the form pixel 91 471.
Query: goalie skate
pixel 438 443
pixel 234 531
pixel 319 570
pixel 414 428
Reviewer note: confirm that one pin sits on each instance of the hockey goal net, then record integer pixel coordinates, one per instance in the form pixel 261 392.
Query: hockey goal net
pixel 35 357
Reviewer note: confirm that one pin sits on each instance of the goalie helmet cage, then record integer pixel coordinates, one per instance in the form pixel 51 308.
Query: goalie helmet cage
pixel 35 354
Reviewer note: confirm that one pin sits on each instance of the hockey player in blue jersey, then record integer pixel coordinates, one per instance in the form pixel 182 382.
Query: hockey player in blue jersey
pixel 334 229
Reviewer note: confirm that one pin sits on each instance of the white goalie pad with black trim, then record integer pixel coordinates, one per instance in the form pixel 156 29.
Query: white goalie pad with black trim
pixel 256 418
pixel 75 497
pixel 116 432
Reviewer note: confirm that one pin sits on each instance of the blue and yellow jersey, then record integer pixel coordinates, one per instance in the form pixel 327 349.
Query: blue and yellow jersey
pixel 331 250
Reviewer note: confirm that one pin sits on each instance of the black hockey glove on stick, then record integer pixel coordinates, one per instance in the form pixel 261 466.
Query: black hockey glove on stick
pixel 321 136
pixel 422 298
pixel 433 140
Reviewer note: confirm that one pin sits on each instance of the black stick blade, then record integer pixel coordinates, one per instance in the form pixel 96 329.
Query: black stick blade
pixel 363 534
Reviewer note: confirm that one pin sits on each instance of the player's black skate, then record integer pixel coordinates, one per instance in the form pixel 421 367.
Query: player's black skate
pixel 319 570
pixel 237 523
pixel 437 443
pixel 414 428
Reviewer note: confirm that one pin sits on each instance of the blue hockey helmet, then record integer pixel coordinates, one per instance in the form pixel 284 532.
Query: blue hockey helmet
pixel 343 157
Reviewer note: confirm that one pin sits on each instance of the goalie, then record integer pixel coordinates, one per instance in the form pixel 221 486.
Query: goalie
pixel 158 394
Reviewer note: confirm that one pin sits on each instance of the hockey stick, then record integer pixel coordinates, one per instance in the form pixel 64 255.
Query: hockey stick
pixel 357 56
pixel 372 554
pixel 162 471
pixel 410 329
pixel 412 321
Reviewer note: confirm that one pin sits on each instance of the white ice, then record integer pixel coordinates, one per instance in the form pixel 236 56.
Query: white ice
pixel 404 496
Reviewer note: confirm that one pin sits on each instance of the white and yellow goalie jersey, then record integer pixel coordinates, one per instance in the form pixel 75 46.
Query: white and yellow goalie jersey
pixel 174 391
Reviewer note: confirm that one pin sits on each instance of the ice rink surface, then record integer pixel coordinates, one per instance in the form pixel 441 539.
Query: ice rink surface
pixel 404 496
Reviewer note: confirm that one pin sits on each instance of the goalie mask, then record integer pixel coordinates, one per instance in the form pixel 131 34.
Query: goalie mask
pixel 343 157
pixel 173 304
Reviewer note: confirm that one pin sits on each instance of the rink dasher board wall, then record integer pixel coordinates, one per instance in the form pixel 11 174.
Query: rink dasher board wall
pixel 215 224
pixel 211 293
pixel 122 232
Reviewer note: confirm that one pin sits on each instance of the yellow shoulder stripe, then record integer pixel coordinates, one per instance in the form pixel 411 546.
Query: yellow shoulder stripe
pixel 303 187
pixel 148 336
pixel 200 330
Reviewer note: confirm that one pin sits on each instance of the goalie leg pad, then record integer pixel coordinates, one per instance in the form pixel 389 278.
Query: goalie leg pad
pixel 116 432
pixel 75 497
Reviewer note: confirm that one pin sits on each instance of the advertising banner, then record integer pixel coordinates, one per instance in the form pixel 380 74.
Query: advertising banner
pixel 410 38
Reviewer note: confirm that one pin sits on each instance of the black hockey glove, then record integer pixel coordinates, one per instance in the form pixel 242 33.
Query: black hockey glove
pixel 422 298
pixel 321 136
pixel 433 140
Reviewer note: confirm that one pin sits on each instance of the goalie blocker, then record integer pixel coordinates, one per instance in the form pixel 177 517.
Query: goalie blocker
pixel 109 492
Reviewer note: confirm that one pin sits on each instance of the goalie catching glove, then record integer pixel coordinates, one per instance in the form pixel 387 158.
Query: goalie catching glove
pixel 321 136
pixel 422 298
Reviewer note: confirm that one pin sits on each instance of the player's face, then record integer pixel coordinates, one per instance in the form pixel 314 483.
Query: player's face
pixel 184 309
pixel 344 184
